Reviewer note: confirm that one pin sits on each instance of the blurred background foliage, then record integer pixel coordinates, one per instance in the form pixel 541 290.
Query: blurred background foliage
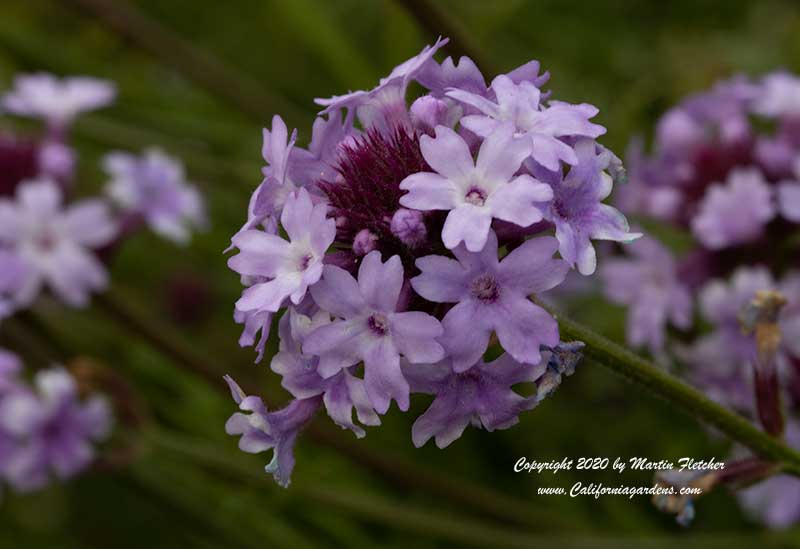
pixel 201 79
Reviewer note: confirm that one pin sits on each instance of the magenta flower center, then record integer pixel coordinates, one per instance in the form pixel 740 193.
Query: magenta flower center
pixel 378 324
pixel 485 288
pixel 476 196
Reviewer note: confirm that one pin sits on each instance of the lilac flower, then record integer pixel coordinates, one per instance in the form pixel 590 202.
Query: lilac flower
pixel 261 430
pixel 577 210
pixel 384 105
pixel 254 322
pixel 57 100
pixel 492 296
pixel 481 395
pixel 55 244
pixel 154 187
pixel 465 75
pixel 735 212
pixel 53 430
pixel 475 192
pixel 266 202
pixel 290 267
pixel 520 104
pixel 789 196
pixel 12 278
pixel 342 393
pixel 650 285
pixel 779 95
pixel 776 501
pixel 370 329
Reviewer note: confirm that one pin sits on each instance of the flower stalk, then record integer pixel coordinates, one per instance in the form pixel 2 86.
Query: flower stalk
pixel 634 368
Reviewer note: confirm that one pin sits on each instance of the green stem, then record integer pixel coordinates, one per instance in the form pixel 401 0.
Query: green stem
pixel 629 365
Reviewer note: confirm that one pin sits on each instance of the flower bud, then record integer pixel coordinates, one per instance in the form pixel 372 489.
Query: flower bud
pixel 364 242
pixel 409 227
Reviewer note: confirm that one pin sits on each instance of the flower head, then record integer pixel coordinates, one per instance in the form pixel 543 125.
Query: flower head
pixel 53 430
pixel 493 296
pixel 154 187
pixel 55 243
pixel 57 100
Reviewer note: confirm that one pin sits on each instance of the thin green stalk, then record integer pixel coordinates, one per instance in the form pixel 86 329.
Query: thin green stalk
pixel 631 366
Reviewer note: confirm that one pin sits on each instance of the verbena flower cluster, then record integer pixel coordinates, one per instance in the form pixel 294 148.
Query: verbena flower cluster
pixel 724 166
pixel 47 239
pixel 47 430
pixel 50 240
pixel 406 240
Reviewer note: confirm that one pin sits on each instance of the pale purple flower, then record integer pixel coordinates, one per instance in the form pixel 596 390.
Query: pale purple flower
pixel 370 330
pixel 56 243
pixel 520 104
pixel 57 100
pixel 481 395
pixel 261 430
pixel 54 431
pixel 342 393
pixel 734 212
pixel 776 500
pixel 493 296
pixel 465 75
pixel 477 191
pixel 13 272
pixel 577 210
pixel 154 186
pixel 266 202
pixel 779 95
pixel 385 104
pixel 649 284
pixel 288 267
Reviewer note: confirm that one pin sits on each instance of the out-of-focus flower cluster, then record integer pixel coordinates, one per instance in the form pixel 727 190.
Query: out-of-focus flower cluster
pixel 47 239
pixel 406 239
pixel 47 429
pixel 725 167
pixel 50 240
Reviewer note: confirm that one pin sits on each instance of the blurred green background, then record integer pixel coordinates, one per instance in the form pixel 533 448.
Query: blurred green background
pixel 201 79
